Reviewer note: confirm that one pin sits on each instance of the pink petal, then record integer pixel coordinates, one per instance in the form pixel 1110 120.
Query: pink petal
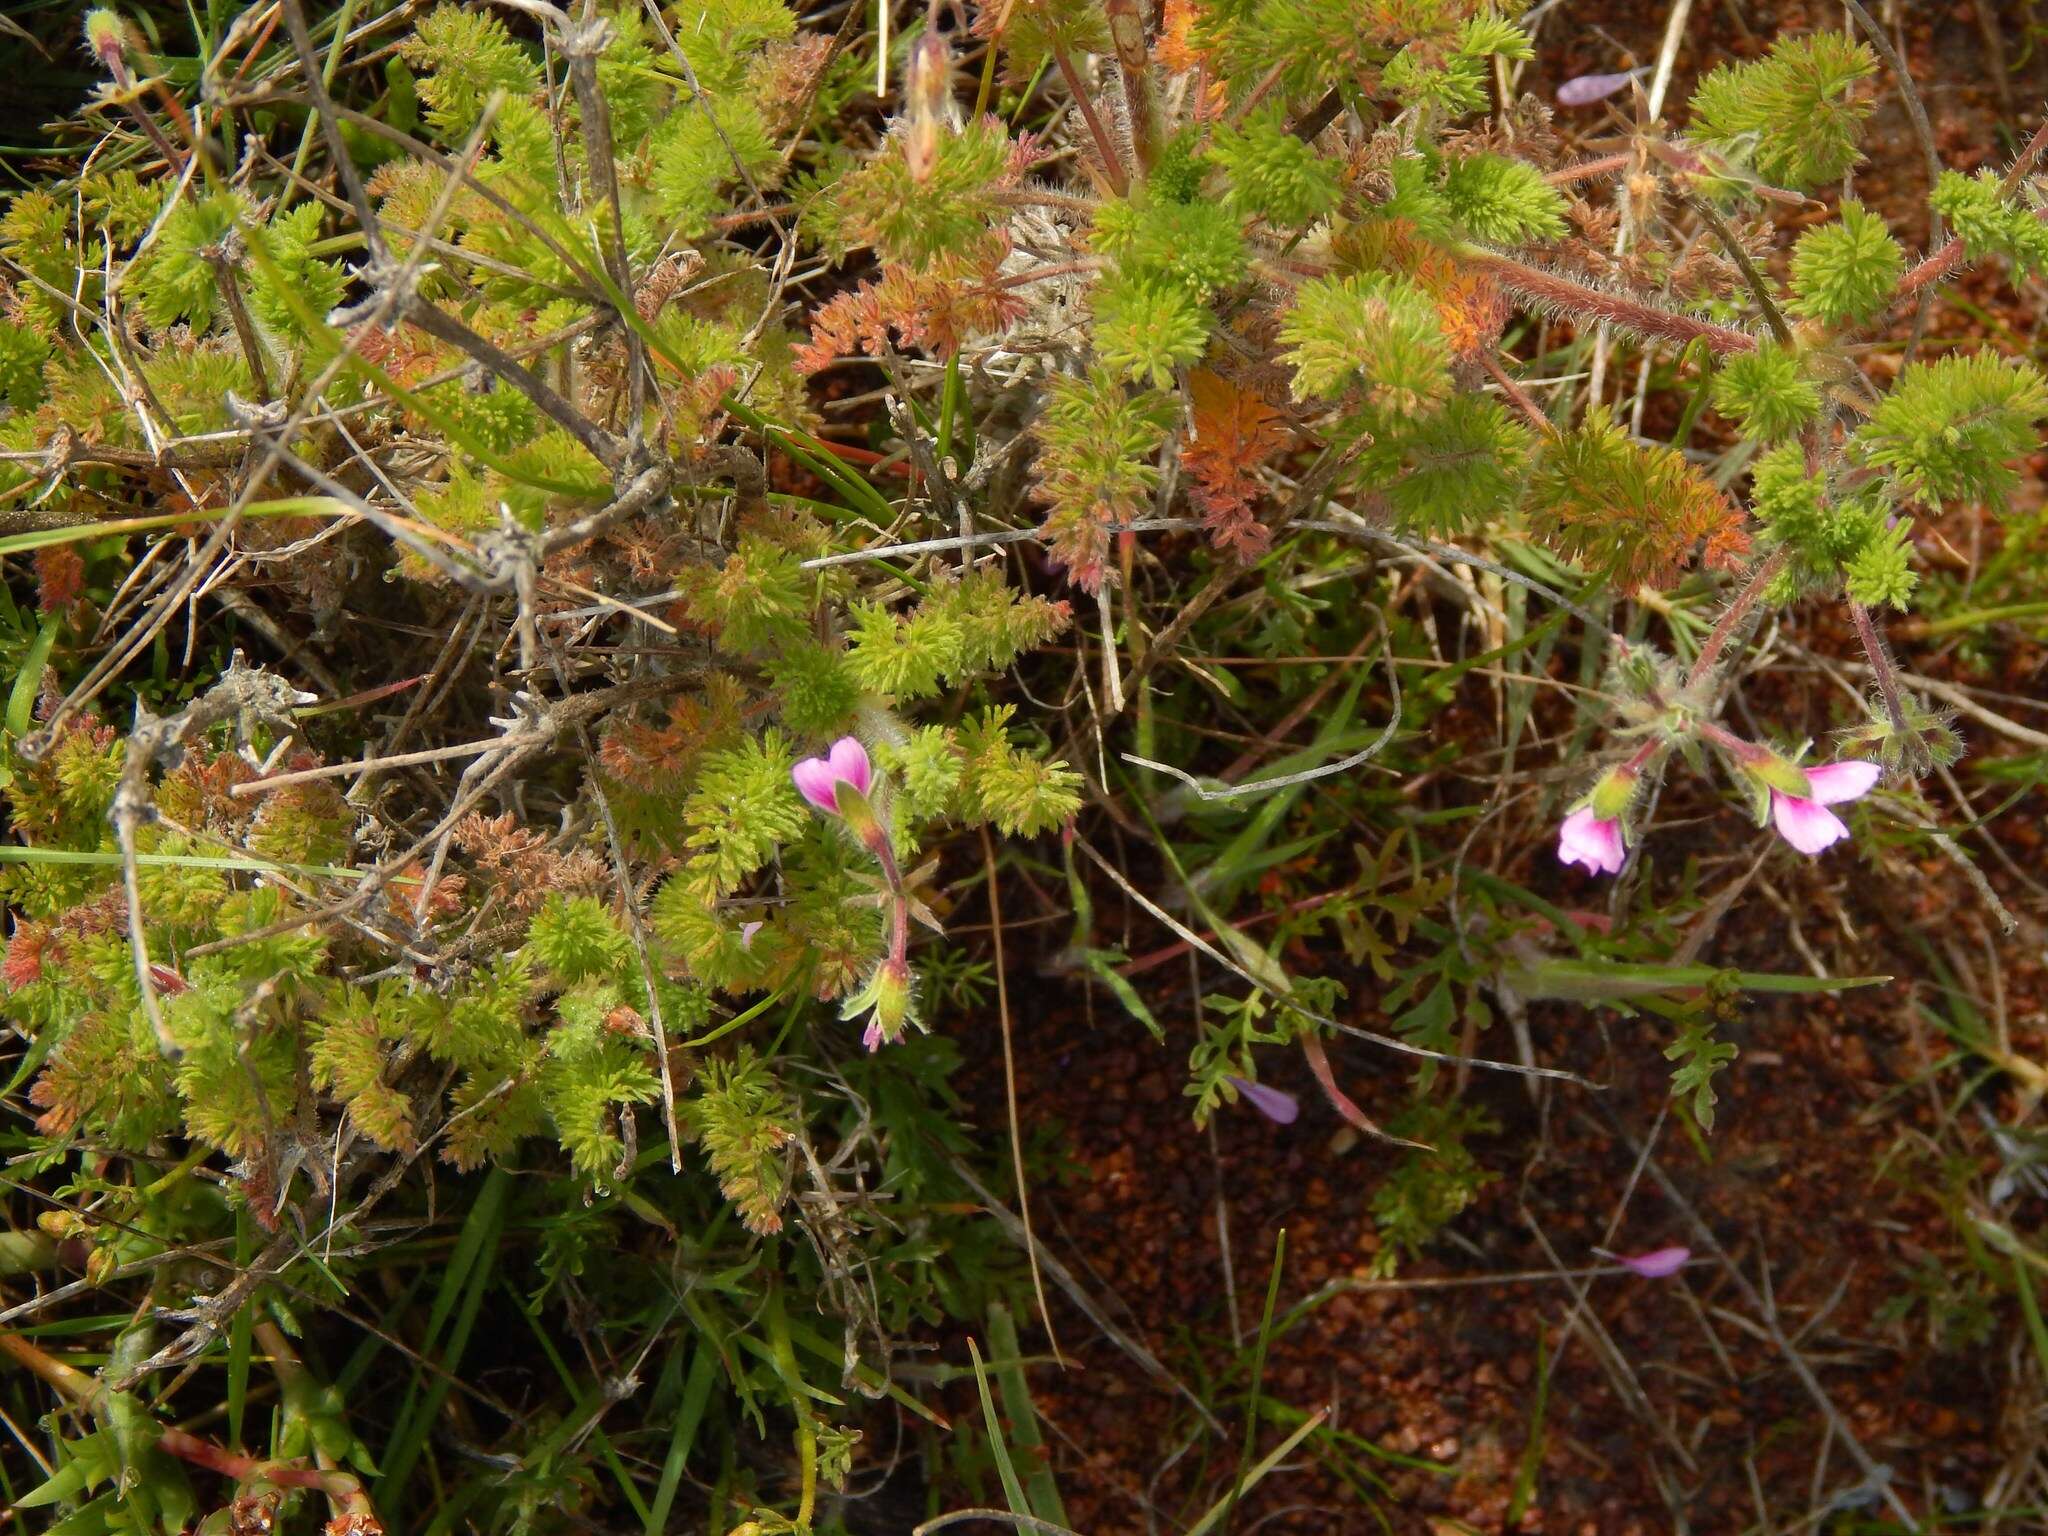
pixel 1835 782
pixel 1276 1104
pixel 1584 90
pixel 1592 841
pixel 816 782
pixel 850 763
pixel 1655 1264
pixel 872 1036
pixel 1805 825
pixel 747 932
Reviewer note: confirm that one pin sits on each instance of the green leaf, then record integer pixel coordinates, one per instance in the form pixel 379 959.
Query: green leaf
pixel 1584 981
pixel 1013 1491
pixel 65 1484
pixel 21 702
pixel 1102 965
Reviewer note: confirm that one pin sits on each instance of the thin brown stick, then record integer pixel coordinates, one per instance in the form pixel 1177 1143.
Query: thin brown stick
pixel 324 109
pixel 995 933
pixel 278 781
pixel 603 446
pixel 1909 93
pixel 1767 1315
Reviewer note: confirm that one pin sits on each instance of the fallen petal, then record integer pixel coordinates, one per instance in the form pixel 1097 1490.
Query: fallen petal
pixel 1276 1104
pixel 1584 90
pixel 1655 1264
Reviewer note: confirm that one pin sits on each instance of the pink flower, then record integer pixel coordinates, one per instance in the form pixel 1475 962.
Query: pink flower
pixel 1594 841
pixel 818 778
pixel 1806 823
pixel 1584 90
pixel 1276 1104
pixel 1655 1264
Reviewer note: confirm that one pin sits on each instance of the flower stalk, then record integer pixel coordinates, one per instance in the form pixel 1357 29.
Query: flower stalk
pixel 839 784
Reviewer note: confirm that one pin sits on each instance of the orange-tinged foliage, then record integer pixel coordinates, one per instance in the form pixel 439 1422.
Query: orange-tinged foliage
pixel 937 311
pixel 1234 432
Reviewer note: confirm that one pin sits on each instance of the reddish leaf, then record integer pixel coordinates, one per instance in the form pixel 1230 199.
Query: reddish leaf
pixel 1234 433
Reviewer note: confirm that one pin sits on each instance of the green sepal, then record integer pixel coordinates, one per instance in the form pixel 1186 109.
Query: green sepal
pixel 1774 772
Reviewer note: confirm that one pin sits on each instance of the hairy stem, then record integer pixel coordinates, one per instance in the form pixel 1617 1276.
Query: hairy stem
pixel 1742 751
pixel 1950 256
pixel 1579 299
pixel 1586 170
pixel 1084 99
pixel 1518 395
pixel 1881 668
pixel 1757 286
pixel 1134 68
pixel 1760 577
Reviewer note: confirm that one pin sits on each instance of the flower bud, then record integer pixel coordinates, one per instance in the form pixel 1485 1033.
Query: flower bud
pixel 1611 796
pixel 106 34
pixel 62 1224
pixel 927 97
pixel 100 1265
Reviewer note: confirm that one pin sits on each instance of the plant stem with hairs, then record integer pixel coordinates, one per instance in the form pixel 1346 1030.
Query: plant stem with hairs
pixel 1571 297
pixel 1760 577
pixel 1084 101
pixel 1878 655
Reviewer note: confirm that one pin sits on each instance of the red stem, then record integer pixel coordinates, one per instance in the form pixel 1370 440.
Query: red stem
pixel 1642 756
pixel 1587 169
pixel 1880 664
pixel 1577 298
pixel 1950 256
pixel 1112 166
pixel 1759 578
pixel 1742 751
pixel 1528 407
pixel 238 1467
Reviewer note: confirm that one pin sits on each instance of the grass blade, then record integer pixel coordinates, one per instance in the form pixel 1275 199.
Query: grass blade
pixel 1013 1491
pixel 1039 1486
